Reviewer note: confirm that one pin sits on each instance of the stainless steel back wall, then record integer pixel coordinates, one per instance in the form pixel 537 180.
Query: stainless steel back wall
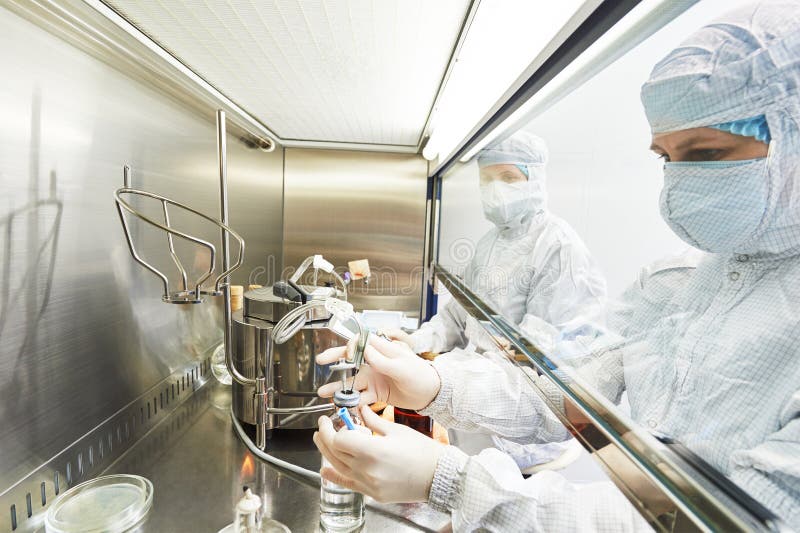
pixel 359 205
pixel 82 328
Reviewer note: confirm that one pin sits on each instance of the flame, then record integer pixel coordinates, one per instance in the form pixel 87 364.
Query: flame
pixel 248 467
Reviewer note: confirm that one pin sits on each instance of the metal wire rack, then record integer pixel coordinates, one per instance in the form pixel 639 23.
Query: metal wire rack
pixel 190 293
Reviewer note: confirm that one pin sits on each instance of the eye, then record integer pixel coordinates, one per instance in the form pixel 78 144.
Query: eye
pixel 710 154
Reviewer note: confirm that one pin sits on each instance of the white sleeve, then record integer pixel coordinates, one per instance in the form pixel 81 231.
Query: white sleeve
pixel 770 471
pixel 443 332
pixel 487 492
pixel 491 396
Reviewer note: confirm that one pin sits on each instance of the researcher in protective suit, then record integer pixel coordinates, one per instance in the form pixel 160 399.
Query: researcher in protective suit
pixel 531 267
pixel 708 348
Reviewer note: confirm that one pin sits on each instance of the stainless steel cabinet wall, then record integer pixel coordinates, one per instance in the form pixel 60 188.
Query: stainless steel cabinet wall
pixel 82 327
pixel 359 205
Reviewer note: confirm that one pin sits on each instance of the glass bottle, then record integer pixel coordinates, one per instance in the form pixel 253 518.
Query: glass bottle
pixel 414 420
pixel 341 509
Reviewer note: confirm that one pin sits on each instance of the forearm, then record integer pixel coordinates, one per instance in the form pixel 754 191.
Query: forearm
pixel 481 395
pixel 487 492
pixel 441 333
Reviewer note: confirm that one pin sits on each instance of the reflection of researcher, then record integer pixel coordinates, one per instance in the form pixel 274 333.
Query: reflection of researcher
pixel 713 359
pixel 531 267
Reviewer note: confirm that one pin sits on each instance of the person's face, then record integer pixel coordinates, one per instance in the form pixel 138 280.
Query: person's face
pixel 706 144
pixel 505 173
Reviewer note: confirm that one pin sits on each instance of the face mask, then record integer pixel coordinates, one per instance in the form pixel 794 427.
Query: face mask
pixel 716 206
pixel 506 204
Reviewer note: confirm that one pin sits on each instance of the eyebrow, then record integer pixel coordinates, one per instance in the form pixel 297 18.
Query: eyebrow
pixel 683 144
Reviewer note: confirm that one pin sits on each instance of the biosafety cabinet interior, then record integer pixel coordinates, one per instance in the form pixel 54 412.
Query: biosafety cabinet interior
pixel 191 189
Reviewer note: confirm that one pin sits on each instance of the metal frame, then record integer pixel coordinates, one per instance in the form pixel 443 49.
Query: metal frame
pixel 593 25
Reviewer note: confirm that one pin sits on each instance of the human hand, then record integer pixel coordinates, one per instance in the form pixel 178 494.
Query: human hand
pixel 396 464
pixel 395 334
pixel 392 374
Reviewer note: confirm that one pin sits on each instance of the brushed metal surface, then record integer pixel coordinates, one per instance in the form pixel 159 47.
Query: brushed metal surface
pixel 198 466
pixel 357 205
pixel 263 304
pixel 82 330
pixel 293 375
pixel 23 506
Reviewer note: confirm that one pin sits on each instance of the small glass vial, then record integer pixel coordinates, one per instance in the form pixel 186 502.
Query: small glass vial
pixel 341 509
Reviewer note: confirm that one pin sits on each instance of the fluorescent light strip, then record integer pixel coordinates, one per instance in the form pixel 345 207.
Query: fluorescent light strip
pixel 497 49
pixel 642 21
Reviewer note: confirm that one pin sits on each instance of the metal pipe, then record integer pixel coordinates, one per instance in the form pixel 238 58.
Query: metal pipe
pixel 222 159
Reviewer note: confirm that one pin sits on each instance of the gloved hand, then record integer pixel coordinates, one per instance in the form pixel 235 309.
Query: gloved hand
pixel 395 334
pixel 392 374
pixel 394 465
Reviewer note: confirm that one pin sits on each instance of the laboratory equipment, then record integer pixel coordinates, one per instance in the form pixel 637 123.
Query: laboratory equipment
pixel 276 334
pixel 340 508
pixel 251 518
pixel 272 386
pixel 110 504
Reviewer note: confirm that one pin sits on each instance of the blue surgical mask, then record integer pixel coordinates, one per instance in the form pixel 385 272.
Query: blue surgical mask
pixel 716 206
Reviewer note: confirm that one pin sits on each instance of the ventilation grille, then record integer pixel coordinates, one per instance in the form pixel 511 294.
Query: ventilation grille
pixel 23 506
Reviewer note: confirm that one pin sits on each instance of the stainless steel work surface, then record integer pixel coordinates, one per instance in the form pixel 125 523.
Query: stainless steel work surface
pixel 198 466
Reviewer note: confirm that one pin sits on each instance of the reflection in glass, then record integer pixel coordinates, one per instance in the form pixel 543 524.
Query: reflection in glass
pixel 701 350
pixel 530 266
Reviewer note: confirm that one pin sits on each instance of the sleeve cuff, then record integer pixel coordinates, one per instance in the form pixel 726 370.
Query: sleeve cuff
pixel 553 395
pixel 440 405
pixel 445 492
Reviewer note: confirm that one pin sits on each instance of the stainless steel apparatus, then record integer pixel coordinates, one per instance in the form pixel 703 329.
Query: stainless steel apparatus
pixel 292 377
pixel 270 357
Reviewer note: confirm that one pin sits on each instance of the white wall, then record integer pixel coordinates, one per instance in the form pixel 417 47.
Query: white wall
pixel 601 178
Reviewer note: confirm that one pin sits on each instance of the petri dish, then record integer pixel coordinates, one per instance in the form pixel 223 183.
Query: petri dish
pixel 113 504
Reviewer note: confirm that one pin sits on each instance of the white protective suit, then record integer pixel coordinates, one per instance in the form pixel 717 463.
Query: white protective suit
pixel 534 271
pixel 710 349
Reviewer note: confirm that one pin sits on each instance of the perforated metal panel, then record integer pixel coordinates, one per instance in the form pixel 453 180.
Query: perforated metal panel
pixel 358 71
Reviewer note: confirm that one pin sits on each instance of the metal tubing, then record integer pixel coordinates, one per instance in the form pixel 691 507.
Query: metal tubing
pixel 226 259
pixel 172 252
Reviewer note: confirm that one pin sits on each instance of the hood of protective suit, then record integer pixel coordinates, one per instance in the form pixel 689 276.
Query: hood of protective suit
pixel 745 64
pixel 509 205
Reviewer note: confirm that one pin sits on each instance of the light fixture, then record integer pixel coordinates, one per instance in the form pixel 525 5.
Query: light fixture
pixel 429 152
pixel 641 22
pixel 501 42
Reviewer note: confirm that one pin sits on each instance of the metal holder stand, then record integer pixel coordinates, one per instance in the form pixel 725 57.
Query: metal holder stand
pixel 189 294
pixel 193 294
